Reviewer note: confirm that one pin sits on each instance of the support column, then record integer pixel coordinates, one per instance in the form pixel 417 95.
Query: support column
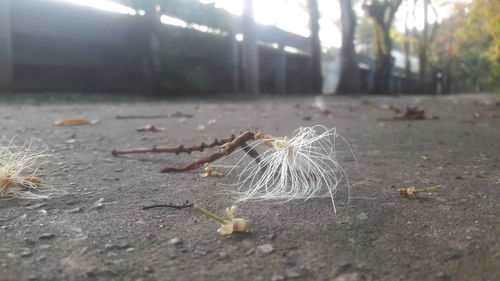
pixel 234 59
pixel 6 75
pixel 281 70
pixel 250 50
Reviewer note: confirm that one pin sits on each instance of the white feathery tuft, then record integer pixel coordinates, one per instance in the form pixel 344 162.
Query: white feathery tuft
pixel 19 166
pixel 302 167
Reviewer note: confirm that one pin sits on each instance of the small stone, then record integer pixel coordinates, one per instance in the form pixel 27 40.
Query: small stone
pixel 28 241
pixel 45 246
pixel 76 229
pixel 222 255
pixel 265 249
pixel 75 210
pixel 110 247
pixel 26 254
pixel 441 275
pixel 348 277
pixel 33 278
pixel 98 204
pixel 277 277
pixel 130 249
pixel 175 241
pixel 362 216
pixel 47 236
pixel 292 274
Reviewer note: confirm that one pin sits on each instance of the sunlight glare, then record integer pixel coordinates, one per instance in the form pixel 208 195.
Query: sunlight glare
pixel 104 5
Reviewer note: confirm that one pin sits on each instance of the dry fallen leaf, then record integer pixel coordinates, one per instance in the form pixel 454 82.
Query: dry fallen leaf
pixel 151 128
pixel 75 121
pixel 209 171
pixel 481 175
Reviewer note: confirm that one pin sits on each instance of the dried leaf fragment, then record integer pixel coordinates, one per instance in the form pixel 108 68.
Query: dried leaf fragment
pixel 151 128
pixel 481 175
pixel 227 226
pixel 411 192
pixel 200 128
pixel 75 121
pixel 209 171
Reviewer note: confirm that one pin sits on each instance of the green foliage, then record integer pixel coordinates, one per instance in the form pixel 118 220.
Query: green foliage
pixel 483 28
pixel 467 47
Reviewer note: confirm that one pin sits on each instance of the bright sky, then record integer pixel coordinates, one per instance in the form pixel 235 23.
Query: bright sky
pixel 292 16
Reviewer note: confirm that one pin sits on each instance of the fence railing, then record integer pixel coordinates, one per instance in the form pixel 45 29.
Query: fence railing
pixel 50 44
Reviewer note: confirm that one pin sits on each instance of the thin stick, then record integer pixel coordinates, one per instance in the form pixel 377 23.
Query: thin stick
pixel 176 150
pixel 173 115
pixel 209 214
pixel 185 205
pixel 226 149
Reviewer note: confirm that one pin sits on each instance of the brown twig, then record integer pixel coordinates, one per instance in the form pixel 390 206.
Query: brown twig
pixel 176 150
pixel 185 205
pixel 226 149
pixel 173 115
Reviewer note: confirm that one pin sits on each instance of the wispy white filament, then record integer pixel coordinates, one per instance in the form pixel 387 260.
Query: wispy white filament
pixel 17 164
pixel 302 167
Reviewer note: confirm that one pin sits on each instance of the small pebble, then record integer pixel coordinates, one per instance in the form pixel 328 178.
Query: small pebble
pixel 98 204
pixel 75 210
pixel 46 236
pixel 348 277
pixel 174 241
pixel 26 254
pixel 277 277
pixel 291 274
pixel 265 249
pixel 110 247
pixel 28 241
pixel 362 216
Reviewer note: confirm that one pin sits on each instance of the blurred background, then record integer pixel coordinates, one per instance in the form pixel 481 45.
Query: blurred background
pixel 181 47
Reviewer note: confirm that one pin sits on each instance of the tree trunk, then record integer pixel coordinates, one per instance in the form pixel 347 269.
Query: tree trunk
pixel 422 55
pixel 382 14
pixel 383 60
pixel 315 80
pixel 349 74
pixel 407 84
pixel 250 50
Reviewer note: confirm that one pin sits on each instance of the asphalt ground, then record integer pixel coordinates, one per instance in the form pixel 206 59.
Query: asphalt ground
pixel 98 231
